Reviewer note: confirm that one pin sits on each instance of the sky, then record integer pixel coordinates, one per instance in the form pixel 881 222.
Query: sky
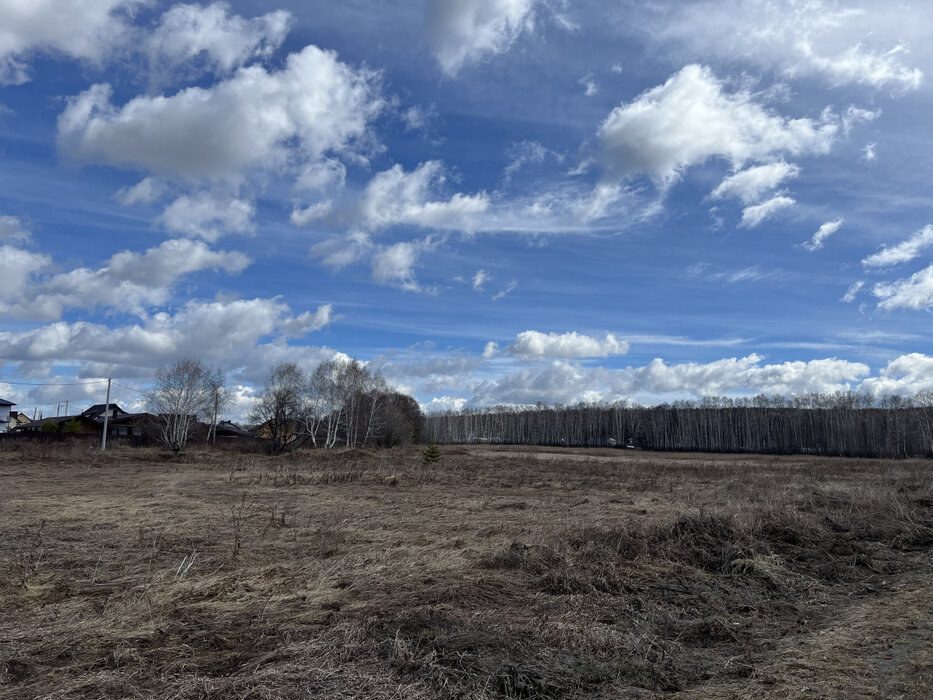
pixel 488 201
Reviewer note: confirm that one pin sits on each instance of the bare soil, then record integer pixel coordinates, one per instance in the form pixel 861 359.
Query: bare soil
pixel 497 572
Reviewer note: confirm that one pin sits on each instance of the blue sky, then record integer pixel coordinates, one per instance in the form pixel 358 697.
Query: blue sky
pixel 490 201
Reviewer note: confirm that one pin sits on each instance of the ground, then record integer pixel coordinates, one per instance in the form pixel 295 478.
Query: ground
pixel 495 572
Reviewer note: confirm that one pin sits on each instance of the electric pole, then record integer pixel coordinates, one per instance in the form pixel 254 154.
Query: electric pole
pixel 103 440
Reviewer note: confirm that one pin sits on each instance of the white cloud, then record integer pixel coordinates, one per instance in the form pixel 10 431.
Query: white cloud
pixel 306 322
pixel 590 87
pixel 232 335
pixel 340 252
pixel 534 344
pixel 146 191
pixel 868 152
pixel 852 292
pixel 505 291
pixel 395 265
pixel 914 292
pixel 208 216
pixel 328 174
pixel 823 38
pixel 905 375
pixel 221 41
pixel 129 281
pixel 751 184
pixel 16 268
pixel 252 121
pixel 12 229
pixel 80 29
pixel 527 152
pixel 905 251
pixel 691 118
pixel 567 382
pixel 819 238
pixel 396 197
pixel 754 215
pixel 480 278
pixel 859 65
pixel 467 31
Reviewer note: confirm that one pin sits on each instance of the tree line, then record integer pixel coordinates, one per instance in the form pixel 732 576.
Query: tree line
pixel 844 424
pixel 339 403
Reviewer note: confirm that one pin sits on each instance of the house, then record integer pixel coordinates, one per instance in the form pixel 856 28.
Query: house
pixel 5 414
pixel 96 412
pixel 132 425
pixel 226 429
pixel 17 418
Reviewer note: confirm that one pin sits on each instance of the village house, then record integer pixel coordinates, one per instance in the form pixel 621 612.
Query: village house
pixel 5 414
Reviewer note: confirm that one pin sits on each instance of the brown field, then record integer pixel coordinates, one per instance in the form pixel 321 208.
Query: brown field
pixel 496 573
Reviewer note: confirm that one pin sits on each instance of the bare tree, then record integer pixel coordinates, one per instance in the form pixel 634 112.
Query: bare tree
pixel 181 392
pixel 221 398
pixel 281 407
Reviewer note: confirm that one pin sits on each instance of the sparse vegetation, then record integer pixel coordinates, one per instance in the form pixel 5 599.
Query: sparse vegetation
pixel 498 572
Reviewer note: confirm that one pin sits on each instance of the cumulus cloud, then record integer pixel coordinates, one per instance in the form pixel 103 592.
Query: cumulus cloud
pixel 395 265
pixel 567 382
pixel 819 238
pixel 692 118
pixel 252 121
pixel 755 214
pixel 914 292
pixel 340 252
pixel 396 197
pixel 467 31
pixel 751 184
pixel 208 215
pixel 16 268
pixel 215 38
pixel 80 29
pixel 232 335
pixel 12 229
pixel 146 191
pixel 534 344
pixel 905 375
pixel 905 251
pixel 129 281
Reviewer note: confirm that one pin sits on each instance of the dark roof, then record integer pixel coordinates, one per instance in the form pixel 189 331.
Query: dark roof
pixel 231 428
pixel 98 410
pixel 4 402
pixel 130 417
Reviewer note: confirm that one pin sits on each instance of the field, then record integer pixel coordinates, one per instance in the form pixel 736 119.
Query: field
pixel 498 572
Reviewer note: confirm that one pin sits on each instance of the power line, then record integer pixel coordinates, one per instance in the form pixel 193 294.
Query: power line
pixel 131 388
pixel 96 381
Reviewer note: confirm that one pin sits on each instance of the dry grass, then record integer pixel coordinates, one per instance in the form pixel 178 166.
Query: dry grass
pixel 499 572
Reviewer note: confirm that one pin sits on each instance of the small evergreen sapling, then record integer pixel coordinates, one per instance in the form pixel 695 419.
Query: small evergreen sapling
pixel 431 454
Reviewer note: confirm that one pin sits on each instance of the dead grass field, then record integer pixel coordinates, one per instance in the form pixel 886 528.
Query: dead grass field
pixel 496 573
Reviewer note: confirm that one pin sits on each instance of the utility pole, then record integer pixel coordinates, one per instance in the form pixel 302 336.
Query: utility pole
pixel 103 440
pixel 66 407
pixel 214 418
pixel 58 409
